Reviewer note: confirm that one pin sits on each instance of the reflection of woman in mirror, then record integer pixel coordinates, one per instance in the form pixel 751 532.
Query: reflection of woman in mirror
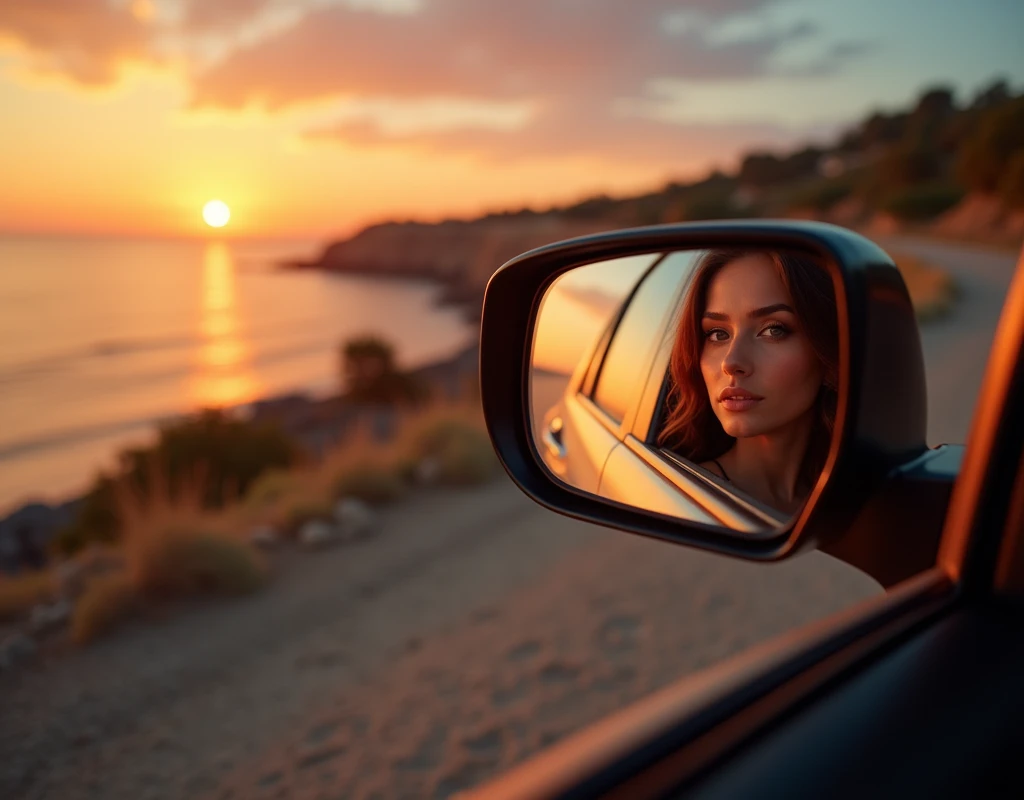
pixel 754 368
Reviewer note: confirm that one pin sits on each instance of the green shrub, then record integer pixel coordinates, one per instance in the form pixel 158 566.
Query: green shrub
pixel 370 482
pixel 923 202
pixel 219 456
pixel 107 601
pixel 228 453
pixel 95 521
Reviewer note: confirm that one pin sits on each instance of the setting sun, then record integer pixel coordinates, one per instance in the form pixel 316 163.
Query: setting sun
pixel 216 213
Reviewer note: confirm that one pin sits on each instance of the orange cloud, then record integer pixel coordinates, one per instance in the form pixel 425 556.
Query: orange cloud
pixel 222 15
pixel 87 41
pixel 574 65
pixel 468 49
pixel 578 129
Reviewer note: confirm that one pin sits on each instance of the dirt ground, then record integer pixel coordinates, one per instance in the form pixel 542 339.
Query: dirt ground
pixel 475 629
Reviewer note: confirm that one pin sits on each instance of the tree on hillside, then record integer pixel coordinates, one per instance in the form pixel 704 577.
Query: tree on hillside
pixel 927 123
pixel 761 170
pixel 881 130
pixel 909 164
pixel 995 94
pixel 1011 187
pixel 369 374
pixel 997 139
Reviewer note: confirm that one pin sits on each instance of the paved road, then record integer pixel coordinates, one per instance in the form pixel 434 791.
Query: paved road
pixel 956 348
pixel 474 630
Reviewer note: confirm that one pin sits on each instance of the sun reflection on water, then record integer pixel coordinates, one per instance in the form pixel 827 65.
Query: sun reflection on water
pixel 224 376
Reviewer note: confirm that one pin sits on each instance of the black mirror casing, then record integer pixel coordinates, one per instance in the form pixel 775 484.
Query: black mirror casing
pixel 881 416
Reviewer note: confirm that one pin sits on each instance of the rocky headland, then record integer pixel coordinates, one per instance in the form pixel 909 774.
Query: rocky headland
pixel 459 254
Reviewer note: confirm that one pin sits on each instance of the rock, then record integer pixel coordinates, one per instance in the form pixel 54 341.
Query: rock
pixel 317 533
pixel 47 617
pixel 25 533
pixel 355 519
pixel 16 647
pixel 264 537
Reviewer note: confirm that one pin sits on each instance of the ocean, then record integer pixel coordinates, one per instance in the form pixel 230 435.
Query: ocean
pixel 101 339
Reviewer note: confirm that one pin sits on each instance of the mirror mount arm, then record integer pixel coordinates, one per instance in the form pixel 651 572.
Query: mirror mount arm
pixel 897 532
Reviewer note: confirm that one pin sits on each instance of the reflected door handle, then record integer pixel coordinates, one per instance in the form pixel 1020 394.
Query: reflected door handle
pixel 553 438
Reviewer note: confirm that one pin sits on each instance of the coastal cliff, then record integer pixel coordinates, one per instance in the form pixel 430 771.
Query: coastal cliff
pixel 461 255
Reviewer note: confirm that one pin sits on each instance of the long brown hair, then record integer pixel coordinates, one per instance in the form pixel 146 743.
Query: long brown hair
pixel 691 427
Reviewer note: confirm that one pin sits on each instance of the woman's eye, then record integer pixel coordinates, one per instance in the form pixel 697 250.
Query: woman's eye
pixel 716 335
pixel 775 331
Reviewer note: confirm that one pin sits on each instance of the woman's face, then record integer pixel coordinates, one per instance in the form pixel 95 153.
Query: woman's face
pixel 761 372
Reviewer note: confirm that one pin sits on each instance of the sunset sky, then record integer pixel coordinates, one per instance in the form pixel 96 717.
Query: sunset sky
pixel 313 117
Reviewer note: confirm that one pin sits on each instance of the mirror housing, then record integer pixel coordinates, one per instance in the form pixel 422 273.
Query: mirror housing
pixel 881 414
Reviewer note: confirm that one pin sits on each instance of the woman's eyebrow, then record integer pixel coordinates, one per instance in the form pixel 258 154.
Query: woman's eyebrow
pixel 757 312
pixel 764 312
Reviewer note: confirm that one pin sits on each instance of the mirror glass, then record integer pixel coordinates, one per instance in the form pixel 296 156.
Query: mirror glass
pixel 701 384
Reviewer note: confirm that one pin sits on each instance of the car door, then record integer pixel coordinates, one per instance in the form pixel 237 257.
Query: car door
pixel 916 693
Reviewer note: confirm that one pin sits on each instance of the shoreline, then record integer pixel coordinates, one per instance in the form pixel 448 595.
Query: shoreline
pixel 316 421
pixel 456 292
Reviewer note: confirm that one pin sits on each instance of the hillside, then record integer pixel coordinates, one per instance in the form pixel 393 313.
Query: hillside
pixel 938 166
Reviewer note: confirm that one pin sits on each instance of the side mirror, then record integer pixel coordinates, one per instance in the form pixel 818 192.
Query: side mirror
pixel 742 387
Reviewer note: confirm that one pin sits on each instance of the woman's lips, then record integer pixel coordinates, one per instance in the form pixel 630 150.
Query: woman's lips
pixel 739 403
pixel 733 398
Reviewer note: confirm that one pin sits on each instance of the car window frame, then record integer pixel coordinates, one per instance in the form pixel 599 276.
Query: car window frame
pixel 623 425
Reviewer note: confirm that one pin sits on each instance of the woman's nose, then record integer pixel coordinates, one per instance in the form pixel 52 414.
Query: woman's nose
pixel 736 361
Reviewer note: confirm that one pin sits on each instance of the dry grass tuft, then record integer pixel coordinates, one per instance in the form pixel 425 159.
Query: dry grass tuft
pixel 173 548
pixel 457 440
pixel 372 482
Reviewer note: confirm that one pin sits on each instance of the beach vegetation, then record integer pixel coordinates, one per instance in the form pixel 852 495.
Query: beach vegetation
pixel 370 375
pixel 231 454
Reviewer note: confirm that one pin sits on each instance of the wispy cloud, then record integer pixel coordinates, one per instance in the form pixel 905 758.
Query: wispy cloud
pixel 536 77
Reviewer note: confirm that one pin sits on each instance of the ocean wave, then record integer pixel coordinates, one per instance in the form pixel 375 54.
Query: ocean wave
pixel 61 438
pixel 129 347
pixel 104 348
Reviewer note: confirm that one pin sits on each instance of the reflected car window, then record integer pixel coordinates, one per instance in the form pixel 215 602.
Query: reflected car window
pixel 628 357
